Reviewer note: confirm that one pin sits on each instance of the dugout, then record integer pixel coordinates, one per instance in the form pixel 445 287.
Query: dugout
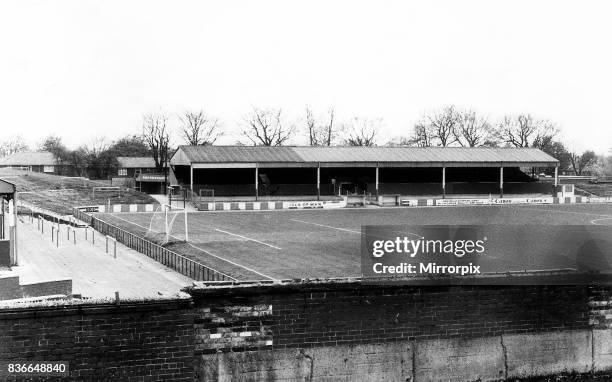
pixel 315 171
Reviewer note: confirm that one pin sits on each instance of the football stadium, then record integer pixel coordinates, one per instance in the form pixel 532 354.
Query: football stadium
pixel 267 242
pixel 256 255
pixel 242 171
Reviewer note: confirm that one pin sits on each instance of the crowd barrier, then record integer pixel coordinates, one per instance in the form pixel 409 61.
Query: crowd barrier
pixel 165 256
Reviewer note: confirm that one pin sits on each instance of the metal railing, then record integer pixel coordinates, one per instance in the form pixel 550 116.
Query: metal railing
pixel 165 256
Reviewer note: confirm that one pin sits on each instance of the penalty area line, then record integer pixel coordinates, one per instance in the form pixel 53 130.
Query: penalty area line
pixel 247 238
pixel 349 230
pixel 326 226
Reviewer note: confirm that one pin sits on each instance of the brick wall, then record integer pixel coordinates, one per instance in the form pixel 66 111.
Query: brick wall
pixel 600 307
pixel 322 331
pixel 132 341
pixel 349 313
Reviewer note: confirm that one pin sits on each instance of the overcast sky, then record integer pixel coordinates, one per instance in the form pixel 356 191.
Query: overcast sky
pixel 84 69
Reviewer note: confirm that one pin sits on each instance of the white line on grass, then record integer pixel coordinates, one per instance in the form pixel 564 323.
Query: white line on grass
pixel 247 238
pixel 565 212
pixel 231 262
pixel 597 220
pixel 326 226
pixel 133 223
pixel 205 251
pixel 350 230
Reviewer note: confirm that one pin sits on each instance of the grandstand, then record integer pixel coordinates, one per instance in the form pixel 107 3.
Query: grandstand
pixel 252 172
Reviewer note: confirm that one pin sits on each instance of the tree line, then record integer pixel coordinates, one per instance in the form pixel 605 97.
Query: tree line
pixel 447 127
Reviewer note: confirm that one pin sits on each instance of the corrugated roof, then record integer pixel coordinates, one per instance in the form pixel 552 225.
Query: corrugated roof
pixel 215 154
pixel 29 158
pixel 136 162
pixel 299 154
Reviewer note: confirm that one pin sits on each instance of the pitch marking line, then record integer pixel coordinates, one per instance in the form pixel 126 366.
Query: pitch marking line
pixel 205 251
pixel 247 238
pixel 231 262
pixel 567 212
pixel 597 220
pixel 326 226
pixel 348 230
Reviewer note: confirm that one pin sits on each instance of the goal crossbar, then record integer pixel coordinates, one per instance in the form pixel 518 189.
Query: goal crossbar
pixel 168 220
pixel 105 189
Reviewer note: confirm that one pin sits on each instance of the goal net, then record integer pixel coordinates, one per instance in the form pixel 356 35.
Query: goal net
pixel 168 224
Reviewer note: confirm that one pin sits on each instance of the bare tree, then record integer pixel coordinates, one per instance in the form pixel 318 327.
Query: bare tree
pixel 423 136
pixel 399 142
pixel 96 157
pixel 12 145
pixel 582 162
pixel 155 134
pixel 265 127
pixel 438 129
pixel 320 133
pixel 55 145
pixel 443 125
pixel 525 131
pixel 198 129
pixel 362 131
pixel 96 147
pixel 470 130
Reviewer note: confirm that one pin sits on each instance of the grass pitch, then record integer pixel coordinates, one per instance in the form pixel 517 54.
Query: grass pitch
pixel 290 244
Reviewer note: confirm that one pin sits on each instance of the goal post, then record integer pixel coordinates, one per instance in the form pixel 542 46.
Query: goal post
pixel 113 190
pixel 163 225
pixel 208 194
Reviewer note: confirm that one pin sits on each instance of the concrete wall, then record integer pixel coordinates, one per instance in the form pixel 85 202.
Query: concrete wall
pixel 47 288
pixel 10 288
pixel 5 252
pixel 484 359
pixel 373 362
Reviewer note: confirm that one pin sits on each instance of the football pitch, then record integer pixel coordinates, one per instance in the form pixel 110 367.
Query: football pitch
pixel 298 244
